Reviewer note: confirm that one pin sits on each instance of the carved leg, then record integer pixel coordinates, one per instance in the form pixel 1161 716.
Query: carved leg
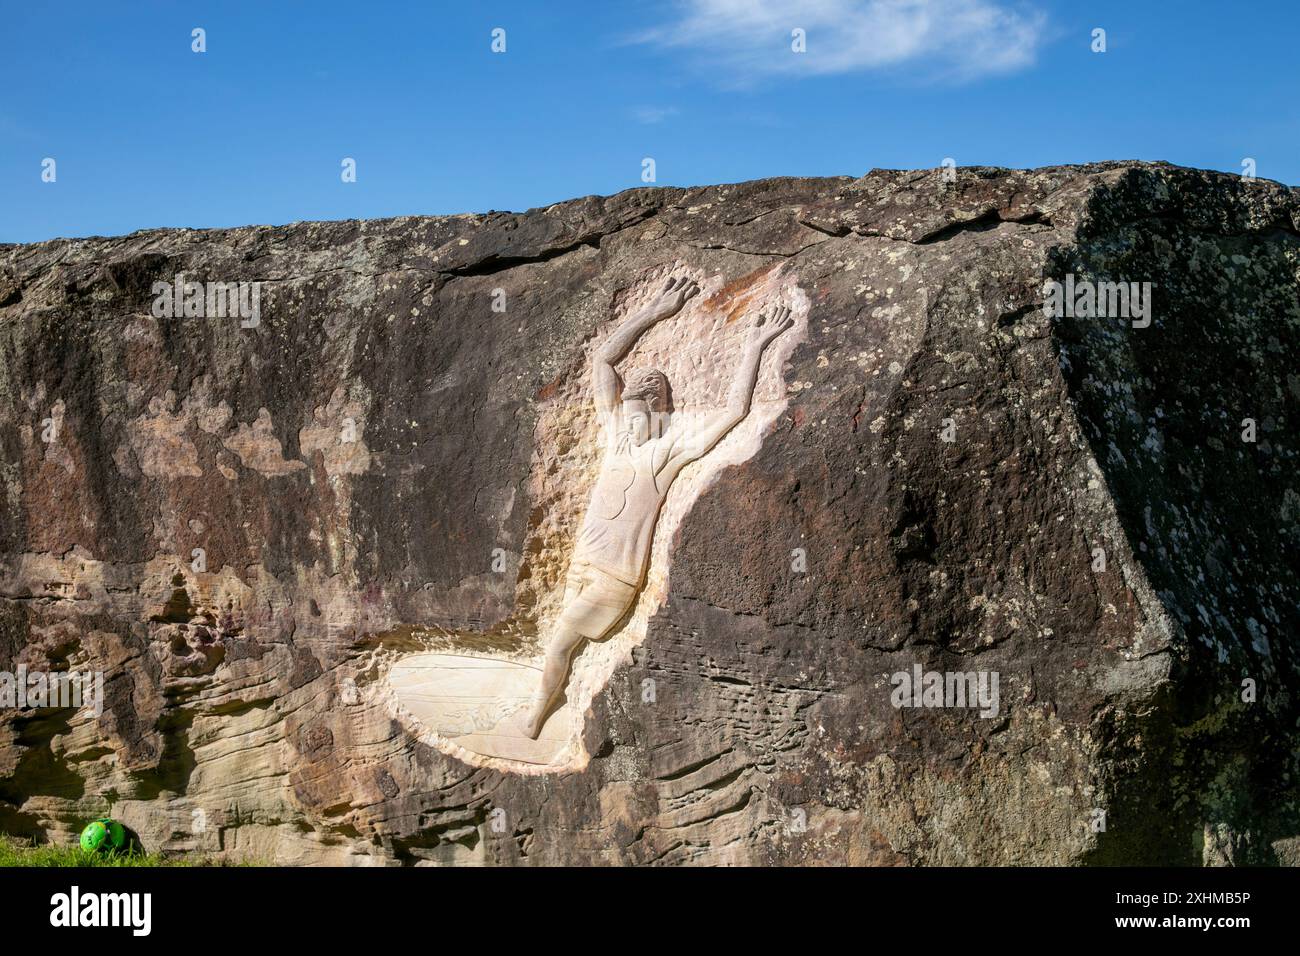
pixel 594 603
pixel 558 656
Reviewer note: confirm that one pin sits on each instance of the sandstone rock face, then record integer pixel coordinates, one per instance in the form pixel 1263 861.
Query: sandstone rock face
pixel 245 526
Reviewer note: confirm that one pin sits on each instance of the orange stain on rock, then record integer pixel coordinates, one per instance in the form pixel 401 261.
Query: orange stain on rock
pixel 550 389
pixel 735 296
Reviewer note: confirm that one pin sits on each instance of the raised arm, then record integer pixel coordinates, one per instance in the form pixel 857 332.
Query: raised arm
pixel 667 302
pixel 699 440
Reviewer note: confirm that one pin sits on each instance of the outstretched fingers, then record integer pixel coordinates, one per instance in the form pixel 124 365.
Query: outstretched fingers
pixel 681 285
pixel 775 321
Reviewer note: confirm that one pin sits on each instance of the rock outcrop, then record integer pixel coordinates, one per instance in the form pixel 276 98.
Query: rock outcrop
pixel 245 520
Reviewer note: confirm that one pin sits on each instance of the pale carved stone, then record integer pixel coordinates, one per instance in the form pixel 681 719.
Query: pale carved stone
pixel 506 710
pixel 470 701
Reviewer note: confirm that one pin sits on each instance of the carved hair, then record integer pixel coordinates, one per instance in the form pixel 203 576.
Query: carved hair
pixel 650 386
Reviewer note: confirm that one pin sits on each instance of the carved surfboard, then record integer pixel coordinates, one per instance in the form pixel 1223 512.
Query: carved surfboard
pixel 476 702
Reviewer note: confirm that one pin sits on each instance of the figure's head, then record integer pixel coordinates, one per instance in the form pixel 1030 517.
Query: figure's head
pixel 645 405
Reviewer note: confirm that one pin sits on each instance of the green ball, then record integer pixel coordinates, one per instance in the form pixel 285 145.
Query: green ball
pixel 93 837
pixel 102 834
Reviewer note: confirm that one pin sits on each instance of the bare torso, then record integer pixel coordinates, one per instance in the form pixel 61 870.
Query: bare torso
pixel 619 526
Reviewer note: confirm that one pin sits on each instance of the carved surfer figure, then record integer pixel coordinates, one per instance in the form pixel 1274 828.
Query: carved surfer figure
pixel 644 452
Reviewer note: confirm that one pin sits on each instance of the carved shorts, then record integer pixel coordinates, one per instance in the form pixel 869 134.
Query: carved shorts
pixel 594 600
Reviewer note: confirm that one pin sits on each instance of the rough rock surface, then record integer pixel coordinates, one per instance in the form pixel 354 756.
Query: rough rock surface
pixel 350 466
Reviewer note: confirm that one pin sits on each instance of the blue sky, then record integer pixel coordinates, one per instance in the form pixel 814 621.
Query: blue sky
pixel 147 133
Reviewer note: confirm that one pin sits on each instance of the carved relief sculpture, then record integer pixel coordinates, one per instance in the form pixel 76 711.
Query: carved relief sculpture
pixel 644 451
pixel 496 703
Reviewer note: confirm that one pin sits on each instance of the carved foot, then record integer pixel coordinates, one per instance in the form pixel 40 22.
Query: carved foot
pixel 531 721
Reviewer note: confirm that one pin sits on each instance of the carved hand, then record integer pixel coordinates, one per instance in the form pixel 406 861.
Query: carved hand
pixel 672 297
pixel 769 325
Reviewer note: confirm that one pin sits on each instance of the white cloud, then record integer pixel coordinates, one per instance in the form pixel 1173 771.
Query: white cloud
pixel 654 114
pixel 747 40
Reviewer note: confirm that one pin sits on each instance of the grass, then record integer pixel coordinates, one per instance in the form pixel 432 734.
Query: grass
pixel 15 852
